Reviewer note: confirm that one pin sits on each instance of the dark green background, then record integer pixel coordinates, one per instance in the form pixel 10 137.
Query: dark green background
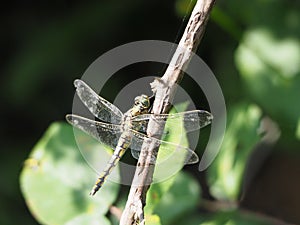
pixel 45 46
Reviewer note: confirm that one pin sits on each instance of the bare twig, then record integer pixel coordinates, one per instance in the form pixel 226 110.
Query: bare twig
pixel 164 90
pixel 117 212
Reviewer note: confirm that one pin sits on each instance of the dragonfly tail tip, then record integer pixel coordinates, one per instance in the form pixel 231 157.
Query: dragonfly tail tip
pixel 92 193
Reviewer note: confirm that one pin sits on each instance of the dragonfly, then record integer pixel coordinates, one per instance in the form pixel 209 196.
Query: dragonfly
pixel 122 131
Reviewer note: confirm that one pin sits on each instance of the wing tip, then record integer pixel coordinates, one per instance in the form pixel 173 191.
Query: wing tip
pixel 73 119
pixel 192 159
pixel 208 115
pixel 69 118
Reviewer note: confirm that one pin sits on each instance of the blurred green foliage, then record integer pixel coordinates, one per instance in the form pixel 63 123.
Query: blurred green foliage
pixel 56 180
pixel 225 175
pixel 253 47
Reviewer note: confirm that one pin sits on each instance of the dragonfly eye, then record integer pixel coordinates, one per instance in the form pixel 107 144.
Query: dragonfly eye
pixel 137 100
pixel 145 101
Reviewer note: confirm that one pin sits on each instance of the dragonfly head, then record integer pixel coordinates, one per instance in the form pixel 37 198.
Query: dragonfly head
pixel 141 105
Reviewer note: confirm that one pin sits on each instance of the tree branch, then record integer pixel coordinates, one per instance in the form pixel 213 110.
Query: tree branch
pixel 164 90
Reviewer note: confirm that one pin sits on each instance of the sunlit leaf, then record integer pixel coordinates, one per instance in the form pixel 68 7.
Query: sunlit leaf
pixel 298 130
pixel 156 192
pixel 56 181
pixel 226 172
pixel 171 202
pixel 88 219
pixel 152 220
pixel 268 62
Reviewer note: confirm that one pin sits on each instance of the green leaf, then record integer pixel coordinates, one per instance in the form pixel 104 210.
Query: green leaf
pixel 171 202
pixel 226 172
pixel 156 192
pixel 88 219
pixel 270 68
pixel 153 220
pixel 56 180
pixel 298 130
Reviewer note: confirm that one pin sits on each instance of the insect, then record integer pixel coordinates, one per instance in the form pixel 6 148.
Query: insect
pixel 122 131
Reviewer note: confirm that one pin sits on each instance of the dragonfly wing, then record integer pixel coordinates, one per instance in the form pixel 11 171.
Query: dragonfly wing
pixel 105 133
pixel 141 125
pixel 97 105
pixel 167 150
pixel 135 154
pixel 193 120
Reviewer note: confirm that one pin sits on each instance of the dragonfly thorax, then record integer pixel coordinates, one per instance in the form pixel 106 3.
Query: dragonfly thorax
pixel 141 106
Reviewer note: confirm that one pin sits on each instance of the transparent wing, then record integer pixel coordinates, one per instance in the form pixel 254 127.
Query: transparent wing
pixel 105 133
pixel 97 105
pixel 192 120
pixel 167 150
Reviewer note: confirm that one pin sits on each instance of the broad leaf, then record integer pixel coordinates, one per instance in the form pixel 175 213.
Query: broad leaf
pixel 56 181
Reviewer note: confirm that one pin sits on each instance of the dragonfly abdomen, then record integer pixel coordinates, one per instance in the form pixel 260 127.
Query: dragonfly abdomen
pixel 118 153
